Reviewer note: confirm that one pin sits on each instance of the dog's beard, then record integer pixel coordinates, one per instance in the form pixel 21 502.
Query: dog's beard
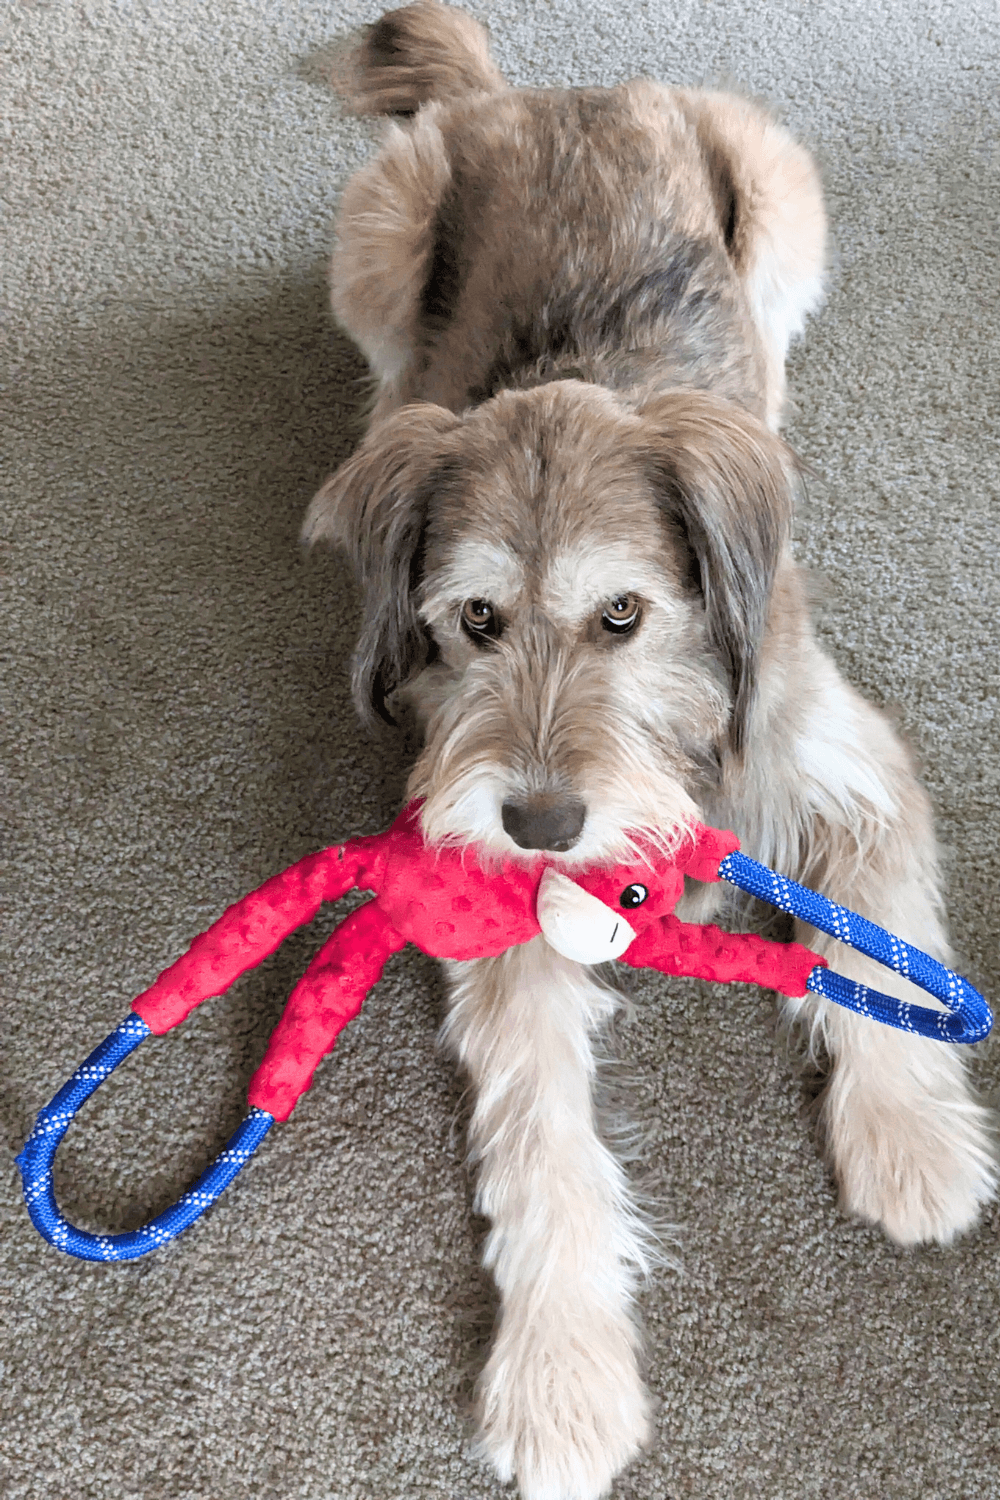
pixel 510 727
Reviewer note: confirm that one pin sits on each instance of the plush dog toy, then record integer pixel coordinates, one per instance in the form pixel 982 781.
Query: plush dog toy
pixel 454 905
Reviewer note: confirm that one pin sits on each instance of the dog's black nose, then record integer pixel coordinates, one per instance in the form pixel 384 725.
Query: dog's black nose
pixel 547 821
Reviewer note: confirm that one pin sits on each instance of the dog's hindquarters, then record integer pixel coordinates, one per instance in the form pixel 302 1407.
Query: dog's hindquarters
pixel 385 232
pixel 422 53
pixel 771 203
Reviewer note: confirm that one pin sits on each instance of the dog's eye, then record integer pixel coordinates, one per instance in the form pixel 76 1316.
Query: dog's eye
pixel 480 620
pixel 633 895
pixel 621 614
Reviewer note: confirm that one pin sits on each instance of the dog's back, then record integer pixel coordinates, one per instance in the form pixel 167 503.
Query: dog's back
pixel 512 236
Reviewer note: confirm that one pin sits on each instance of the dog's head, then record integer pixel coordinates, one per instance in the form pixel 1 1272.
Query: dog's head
pixel 574 595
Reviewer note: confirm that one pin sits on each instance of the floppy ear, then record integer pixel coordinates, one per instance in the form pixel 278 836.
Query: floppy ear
pixel 376 507
pixel 728 483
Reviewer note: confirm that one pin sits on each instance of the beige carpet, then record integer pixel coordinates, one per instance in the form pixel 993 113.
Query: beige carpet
pixel 178 727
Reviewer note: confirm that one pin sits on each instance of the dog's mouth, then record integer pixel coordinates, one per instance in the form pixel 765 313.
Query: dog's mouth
pixel 578 925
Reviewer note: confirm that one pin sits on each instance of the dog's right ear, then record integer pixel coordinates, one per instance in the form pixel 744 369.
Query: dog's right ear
pixel 376 507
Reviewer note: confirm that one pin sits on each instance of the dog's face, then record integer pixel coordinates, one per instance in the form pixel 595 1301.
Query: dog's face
pixel 573 595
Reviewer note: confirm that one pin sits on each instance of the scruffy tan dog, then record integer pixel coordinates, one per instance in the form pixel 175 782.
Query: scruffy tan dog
pixel 570 519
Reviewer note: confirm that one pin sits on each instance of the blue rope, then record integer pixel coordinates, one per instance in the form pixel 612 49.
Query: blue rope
pixel 35 1161
pixel 970 1017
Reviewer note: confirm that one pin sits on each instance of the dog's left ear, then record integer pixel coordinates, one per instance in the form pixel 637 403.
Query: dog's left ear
pixel 376 507
pixel 727 483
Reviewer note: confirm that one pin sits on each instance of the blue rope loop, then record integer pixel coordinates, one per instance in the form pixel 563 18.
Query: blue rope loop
pixel 38 1154
pixel 970 1018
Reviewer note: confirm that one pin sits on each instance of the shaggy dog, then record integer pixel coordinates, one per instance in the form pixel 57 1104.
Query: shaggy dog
pixel 570 519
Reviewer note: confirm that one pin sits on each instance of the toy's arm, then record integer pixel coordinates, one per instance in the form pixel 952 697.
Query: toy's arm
pixel 701 859
pixel 247 933
pixel 676 947
pixel 329 994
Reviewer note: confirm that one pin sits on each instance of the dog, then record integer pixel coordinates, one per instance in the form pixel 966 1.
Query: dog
pixel 570 521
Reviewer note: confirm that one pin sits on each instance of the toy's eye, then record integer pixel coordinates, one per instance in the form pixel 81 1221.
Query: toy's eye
pixel 480 620
pixel 633 895
pixel 621 615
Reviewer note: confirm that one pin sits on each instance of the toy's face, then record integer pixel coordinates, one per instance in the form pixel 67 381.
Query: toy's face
pixel 598 915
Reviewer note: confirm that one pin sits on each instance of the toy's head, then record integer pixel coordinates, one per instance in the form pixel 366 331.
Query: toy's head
pixel 455 905
pixel 597 915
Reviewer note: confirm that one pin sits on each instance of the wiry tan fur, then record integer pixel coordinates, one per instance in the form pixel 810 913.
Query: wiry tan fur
pixel 577 305
pixel 562 1404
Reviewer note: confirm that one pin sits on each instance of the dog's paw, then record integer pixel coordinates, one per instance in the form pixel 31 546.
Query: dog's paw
pixel 563 1412
pixel 922 1168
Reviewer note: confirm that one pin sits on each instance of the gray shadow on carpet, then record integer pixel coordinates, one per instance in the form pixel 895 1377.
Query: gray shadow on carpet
pixel 194 442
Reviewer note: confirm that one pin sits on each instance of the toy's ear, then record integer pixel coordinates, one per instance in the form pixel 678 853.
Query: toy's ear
pixel 376 507
pixel 726 483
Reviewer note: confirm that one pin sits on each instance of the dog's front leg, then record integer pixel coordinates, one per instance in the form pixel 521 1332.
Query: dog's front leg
pixel 912 1147
pixel 561 1403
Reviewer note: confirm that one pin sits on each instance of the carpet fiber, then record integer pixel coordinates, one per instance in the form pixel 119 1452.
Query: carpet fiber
pixel 178 727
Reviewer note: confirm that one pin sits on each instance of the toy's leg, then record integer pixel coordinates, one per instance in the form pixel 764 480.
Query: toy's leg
pixel 911 1147
pixel 562 1404
pixel 328 996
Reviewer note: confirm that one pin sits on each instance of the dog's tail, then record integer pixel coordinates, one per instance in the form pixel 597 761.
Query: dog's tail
pixel 422 52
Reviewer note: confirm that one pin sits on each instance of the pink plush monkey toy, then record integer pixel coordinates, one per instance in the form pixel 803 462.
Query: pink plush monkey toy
pixel 451 906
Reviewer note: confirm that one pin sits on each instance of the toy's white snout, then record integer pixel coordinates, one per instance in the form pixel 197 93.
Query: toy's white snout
pixel 576 924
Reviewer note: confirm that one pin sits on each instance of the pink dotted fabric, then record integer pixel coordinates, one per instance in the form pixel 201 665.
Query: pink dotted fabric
pixel 244 935
pixel 676 947
pixel 329 994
